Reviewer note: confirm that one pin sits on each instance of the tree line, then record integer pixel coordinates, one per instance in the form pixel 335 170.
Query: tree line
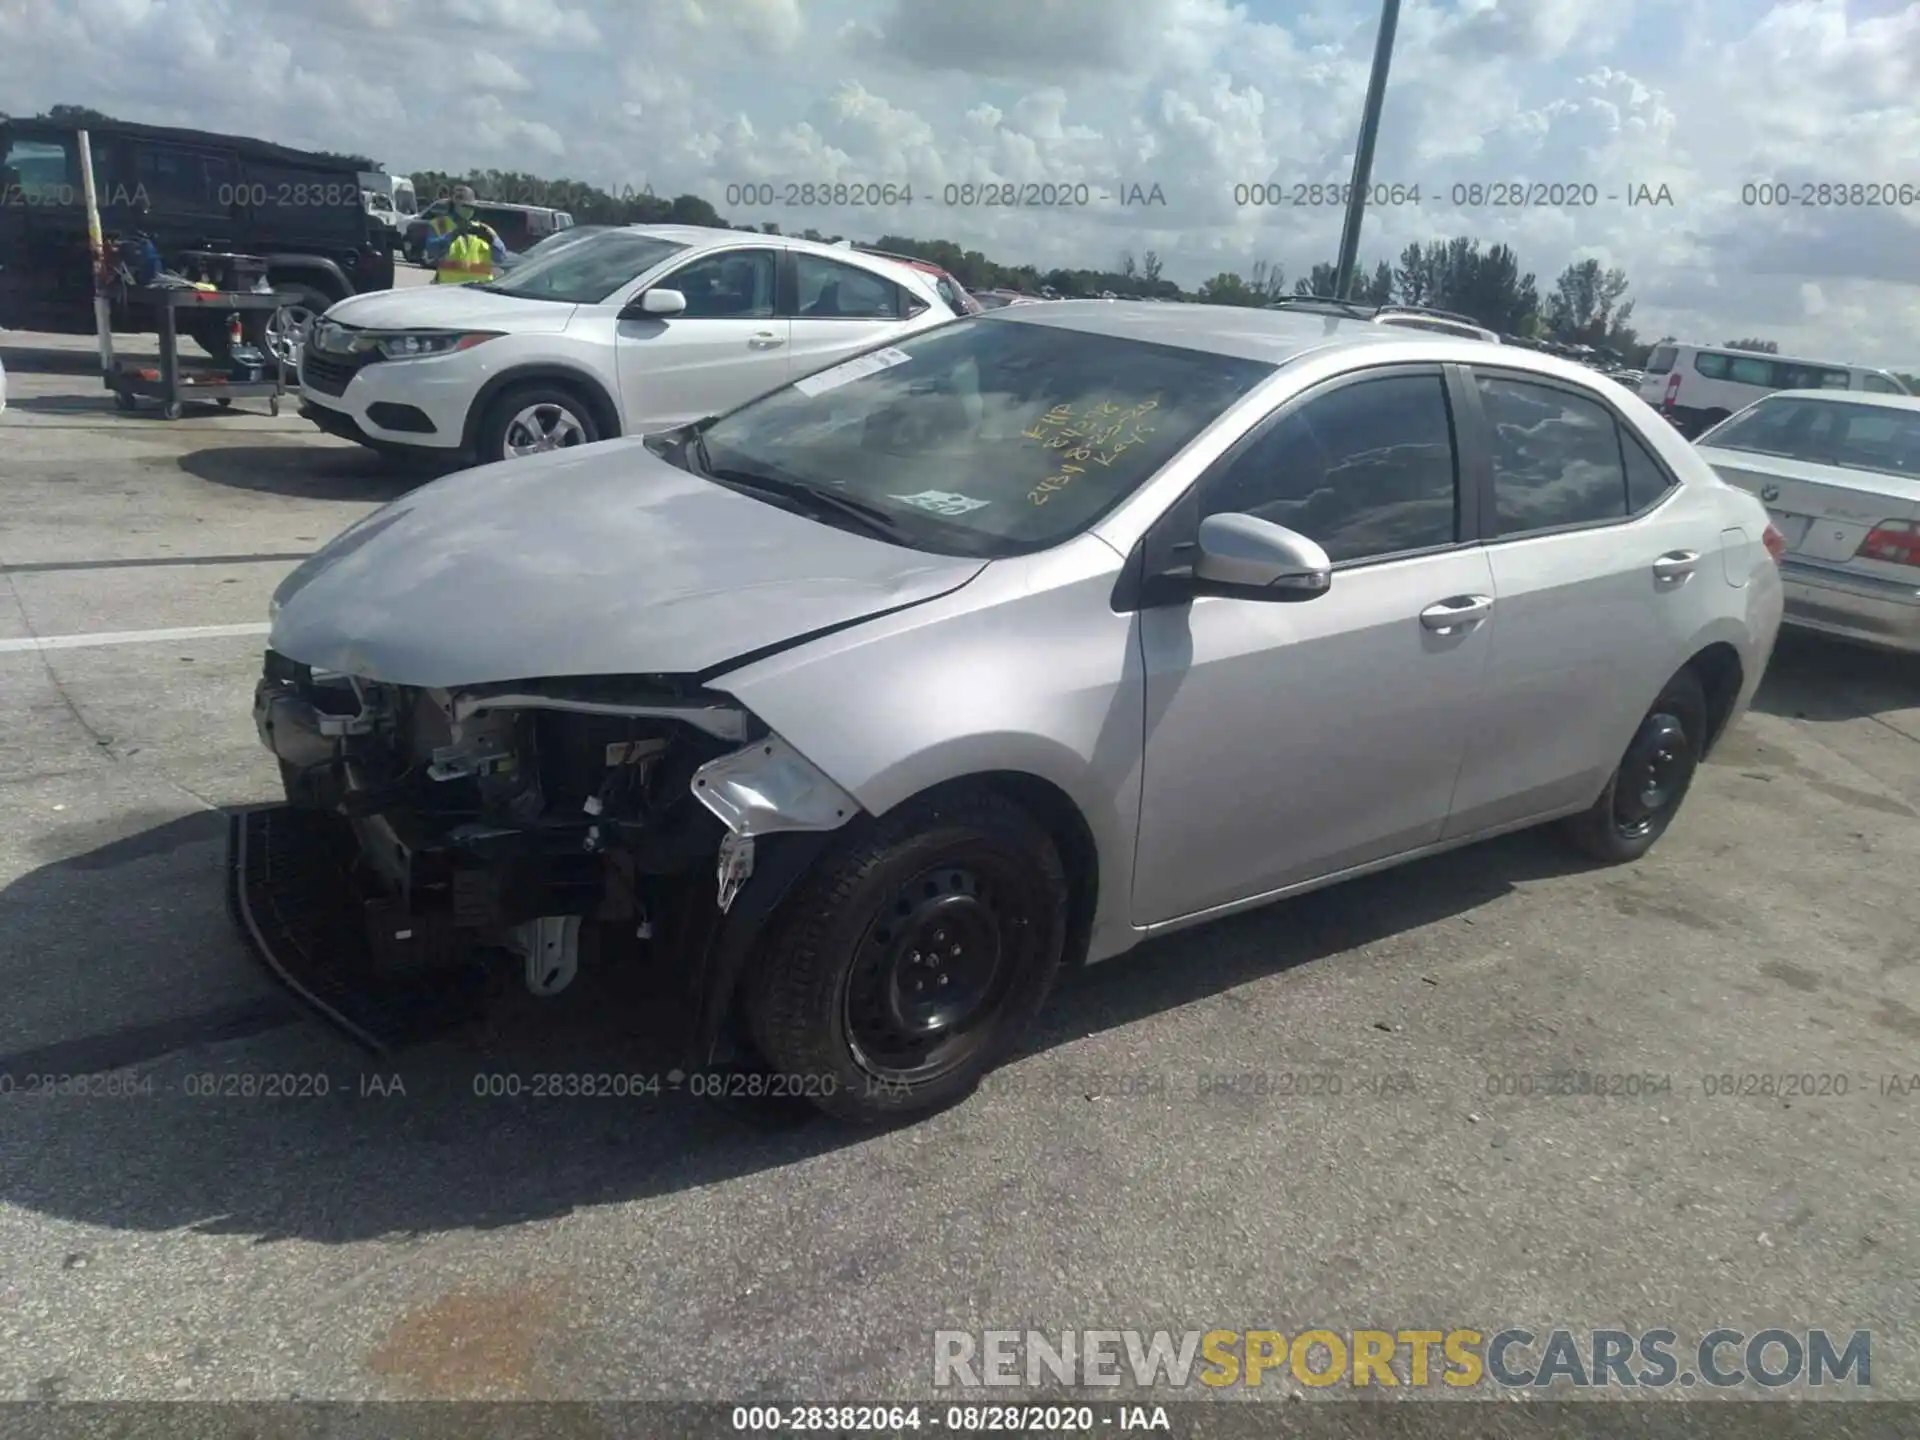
pixel 1587 304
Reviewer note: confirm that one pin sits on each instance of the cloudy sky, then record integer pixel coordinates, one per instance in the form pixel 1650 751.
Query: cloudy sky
pixel 1705 97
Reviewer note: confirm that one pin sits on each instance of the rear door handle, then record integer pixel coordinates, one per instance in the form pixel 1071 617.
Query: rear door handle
pixel 1676 565
pixel 1457 613
pixel 766 340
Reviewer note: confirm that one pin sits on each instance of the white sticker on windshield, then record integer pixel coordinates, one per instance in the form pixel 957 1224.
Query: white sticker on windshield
pixel 941 502
pixel 851 370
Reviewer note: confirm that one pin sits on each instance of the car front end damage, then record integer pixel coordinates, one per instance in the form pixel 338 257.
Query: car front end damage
pixel 552 823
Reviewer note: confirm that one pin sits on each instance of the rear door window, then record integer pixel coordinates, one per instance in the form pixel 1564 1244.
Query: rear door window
pixel 1661 360
pixel 177 180
pixel 511 225
pixel 1746 371
pixel 1713 366
pixel 1556 457
pixel 830 290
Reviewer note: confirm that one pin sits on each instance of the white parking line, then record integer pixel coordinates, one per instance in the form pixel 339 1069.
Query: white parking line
pixel 127 637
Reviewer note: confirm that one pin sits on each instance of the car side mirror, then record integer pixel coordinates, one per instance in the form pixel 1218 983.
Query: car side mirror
pixel 1250 558
pixel 657 304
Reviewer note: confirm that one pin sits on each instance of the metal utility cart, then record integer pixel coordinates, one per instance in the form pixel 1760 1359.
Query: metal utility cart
pixel 132 380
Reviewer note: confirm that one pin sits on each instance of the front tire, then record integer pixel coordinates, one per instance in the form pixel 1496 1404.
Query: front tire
pixel 285 331
pixel 1651 781
pixel 531 419
pixel 913 958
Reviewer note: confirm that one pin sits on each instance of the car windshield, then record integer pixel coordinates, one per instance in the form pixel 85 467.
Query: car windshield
pixel 1882 438
pixel 987 436
pixel 559 240
pixel 587 271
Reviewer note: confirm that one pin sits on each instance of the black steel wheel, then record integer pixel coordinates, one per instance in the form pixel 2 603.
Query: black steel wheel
pixel 1652 779
pixel 913 958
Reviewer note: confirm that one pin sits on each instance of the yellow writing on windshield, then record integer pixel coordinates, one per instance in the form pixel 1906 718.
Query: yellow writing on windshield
pixel 1098 433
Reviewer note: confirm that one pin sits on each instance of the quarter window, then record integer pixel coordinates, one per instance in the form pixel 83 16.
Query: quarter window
pixel 1646 480
pixel 832 291
pixel 1365 470
pixel 1556 458
pixel 1880 385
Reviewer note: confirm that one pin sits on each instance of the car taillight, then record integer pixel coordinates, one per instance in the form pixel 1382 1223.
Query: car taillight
pixel 1673 391
pixel 1775 542
pixel 1895 541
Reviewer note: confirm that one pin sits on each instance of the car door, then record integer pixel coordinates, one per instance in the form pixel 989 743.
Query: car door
pixel 839 309
pixel 1602 574
pixel 727 346
pixel 1291 740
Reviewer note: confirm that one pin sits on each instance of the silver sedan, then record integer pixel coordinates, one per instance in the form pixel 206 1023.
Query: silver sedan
pixel 1840 472
pixel 879 700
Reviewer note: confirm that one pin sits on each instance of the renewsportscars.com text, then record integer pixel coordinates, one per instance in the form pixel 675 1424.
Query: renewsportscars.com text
pixel 1454 1357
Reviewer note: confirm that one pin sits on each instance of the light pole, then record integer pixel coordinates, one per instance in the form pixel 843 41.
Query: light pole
pixel 1363 152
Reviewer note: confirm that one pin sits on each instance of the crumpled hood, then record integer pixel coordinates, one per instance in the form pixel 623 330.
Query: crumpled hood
pixel 451 307
pixel 599 560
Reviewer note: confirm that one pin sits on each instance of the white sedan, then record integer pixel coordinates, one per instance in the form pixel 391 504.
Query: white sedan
pixel 1840 472
pixel 639 329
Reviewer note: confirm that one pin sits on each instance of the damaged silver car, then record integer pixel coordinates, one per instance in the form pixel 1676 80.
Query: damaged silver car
pixel 871 704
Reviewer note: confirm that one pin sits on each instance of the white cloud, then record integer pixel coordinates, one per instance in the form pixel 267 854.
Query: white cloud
pixel 487 71
pixel 1195 96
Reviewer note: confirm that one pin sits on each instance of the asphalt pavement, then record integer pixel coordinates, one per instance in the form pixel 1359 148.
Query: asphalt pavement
pixel 388 1231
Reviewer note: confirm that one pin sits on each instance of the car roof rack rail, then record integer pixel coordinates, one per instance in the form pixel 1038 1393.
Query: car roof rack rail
pixel 1351 308
pixel 1429 310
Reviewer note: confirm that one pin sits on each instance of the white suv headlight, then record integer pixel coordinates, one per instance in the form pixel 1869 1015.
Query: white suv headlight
pixel 418 345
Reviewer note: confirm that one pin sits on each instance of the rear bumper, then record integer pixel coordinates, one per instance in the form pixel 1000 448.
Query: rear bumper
pixel 1863 608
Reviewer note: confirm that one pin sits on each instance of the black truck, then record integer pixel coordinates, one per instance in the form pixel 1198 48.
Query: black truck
pixel 188 190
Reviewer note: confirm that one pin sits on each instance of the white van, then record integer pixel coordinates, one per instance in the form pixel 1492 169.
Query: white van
pixel 1698 386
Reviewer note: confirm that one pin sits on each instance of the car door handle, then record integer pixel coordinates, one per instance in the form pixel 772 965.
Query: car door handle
pixel 766 340
pixel 1676 565
pixel 1462 610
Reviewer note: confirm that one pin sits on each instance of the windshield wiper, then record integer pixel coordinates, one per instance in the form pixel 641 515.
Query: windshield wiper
pixel 870 518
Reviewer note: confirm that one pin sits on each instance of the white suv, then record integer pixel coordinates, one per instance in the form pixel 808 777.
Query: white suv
pixel 638 329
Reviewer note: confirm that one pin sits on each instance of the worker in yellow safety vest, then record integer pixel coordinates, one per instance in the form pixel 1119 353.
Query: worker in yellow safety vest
pixel 461 248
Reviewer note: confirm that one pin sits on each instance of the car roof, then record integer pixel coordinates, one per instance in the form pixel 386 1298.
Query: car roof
pixel 1274 336
pixel 702 237
pixel 1849 397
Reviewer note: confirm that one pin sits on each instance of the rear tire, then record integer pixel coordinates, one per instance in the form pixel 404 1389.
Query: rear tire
pixel 1651 781
pixel 912 959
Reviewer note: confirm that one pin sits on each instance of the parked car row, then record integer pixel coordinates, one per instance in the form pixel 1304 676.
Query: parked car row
pixel 620 332
pixel 520 227
pixel 897 660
